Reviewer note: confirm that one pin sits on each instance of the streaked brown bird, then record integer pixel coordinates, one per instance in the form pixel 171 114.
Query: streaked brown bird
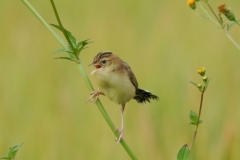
pixel 116 80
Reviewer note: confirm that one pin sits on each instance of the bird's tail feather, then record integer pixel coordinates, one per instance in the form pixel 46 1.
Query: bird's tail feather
pixel 143 96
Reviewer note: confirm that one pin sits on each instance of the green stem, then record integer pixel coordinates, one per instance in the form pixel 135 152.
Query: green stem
pixel 86 79
pixel 208 15
pixel 219 23
pixel 60 24
pixel 214 13
pixel 231 39
pixel 199 115
pixel 34 11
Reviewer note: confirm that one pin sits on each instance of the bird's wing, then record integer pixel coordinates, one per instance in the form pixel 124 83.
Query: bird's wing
pixel 131 75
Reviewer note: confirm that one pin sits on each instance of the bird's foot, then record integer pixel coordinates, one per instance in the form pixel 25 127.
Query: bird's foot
pixel 121 131
pixel 94 93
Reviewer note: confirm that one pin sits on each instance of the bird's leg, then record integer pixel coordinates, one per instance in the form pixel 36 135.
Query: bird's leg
pixel 121 131
pixel 94 93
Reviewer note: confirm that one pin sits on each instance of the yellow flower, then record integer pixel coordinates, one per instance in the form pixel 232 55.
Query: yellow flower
pixel 201 71
pixel 191 3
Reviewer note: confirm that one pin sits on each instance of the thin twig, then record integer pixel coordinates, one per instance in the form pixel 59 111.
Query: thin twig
pixel 214 13
pixel 208 15
pixel 60 24
pixel 199 115
pixel 231 39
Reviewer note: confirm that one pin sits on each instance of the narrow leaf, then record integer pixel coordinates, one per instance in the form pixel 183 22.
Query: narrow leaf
pixel 207 83
pixel 12 152
pixel 6 158
pixel 184 153
pixel 193 123
pixel 61 50
pixel 56 26
pixel 200 121
pixel 82 45
pixel 69 34
pixel 233 24
pixel 72 39
pixel 16 148
pixel 194 84
pixel 194 117
pixel 67 58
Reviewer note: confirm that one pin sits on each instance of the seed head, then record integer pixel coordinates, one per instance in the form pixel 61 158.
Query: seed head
pixel 222 8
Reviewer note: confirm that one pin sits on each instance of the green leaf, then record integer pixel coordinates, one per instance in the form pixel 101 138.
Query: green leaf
pixel 183 153
pixel 200 121
pixel 194 117
pixel 82 45
pixel 6 158
pixel 193 123
pixel 233 24
pixel 12 152
pixel 67 58
pixel 194 84
pixel 69 34
pixel 61 50
pixel 207 83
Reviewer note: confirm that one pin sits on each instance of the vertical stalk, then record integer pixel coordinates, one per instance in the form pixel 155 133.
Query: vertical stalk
pixel 208 15
pixel 199 115
pixel 231 39
pixel 214 13
pixel 60 24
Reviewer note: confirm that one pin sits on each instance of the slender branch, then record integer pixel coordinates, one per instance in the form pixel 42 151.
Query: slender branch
pixel 200 107
pixel 35 12
pixel 199 115
pixel 60 24
pixel 208 15
pixel 86 80
pixel 231 39
pixel 219 24
pixel 214 13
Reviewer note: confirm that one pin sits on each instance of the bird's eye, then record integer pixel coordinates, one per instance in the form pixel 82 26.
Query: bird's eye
pixel 103 61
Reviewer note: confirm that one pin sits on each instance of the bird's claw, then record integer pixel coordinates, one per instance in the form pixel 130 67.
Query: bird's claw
pixel 120 136
pixel 94 93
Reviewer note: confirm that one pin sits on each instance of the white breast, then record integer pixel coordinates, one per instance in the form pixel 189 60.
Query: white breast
pixel 116 86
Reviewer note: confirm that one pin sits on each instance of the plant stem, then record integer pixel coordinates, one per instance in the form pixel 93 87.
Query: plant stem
pixel 199 115
pixel 219 23
pixel 60 24
pixel 85 77
pixel 231 39
pixel 208 15
pixel 35 12
pixel 214 13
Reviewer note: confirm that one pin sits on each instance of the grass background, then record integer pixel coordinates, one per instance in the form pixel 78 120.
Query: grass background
pixel 43 101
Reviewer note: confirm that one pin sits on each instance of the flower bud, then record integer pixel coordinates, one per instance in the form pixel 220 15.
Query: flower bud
pixel 222 8
pixel 201 71
pixel 205 78
pixel 199 86
pixel 191 3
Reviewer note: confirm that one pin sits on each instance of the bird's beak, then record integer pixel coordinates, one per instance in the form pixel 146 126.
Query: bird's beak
pixel 97 67
pixel 91 64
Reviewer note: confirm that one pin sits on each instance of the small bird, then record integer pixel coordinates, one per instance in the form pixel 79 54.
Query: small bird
pixel 116 80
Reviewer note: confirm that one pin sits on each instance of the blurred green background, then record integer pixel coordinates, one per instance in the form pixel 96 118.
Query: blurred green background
pixel 43 101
